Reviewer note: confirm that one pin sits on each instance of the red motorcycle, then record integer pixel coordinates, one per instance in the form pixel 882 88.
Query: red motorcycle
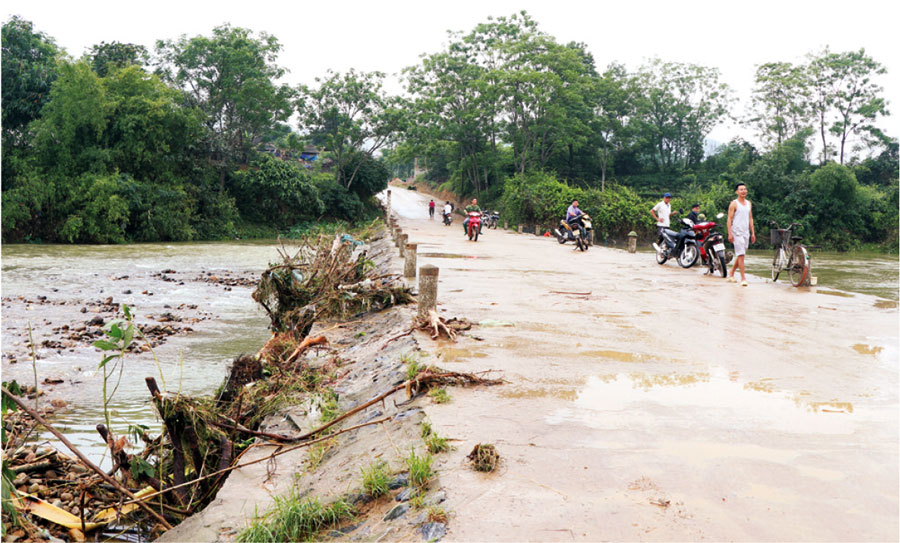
pixel 712 246
pixel 473 225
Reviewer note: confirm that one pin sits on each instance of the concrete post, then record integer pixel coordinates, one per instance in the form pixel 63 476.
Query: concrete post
pixel 428 283
pixel 632 241
pixel 520 228
pixel 410 269
pixel 402 244
pixel 397 233
pixel 506 225
pixel 387 210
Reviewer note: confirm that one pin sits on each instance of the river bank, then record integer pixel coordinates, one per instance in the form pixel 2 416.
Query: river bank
pixel 366 358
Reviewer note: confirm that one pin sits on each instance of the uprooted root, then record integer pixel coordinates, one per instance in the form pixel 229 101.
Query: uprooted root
pixel 437 325
pixel 435 377
pixel 484 457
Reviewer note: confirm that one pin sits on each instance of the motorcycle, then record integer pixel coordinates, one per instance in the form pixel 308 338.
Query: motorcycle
pixel 491 218
pixel 448 219
pixel 681 246
pixel 473 228
pixel 712 247
pixel 580 235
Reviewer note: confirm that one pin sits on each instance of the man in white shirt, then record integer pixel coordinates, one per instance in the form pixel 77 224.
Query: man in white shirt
pixel 661 213
pixel 448 209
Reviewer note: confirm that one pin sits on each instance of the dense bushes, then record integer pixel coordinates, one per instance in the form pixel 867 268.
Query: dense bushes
pixel 539 198
pixel 275 191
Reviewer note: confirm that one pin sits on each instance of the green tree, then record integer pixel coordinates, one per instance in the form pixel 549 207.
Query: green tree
pixel 543 87
pixel 275 192
pixel 231 77
pixel 613 106
pixel 678 105
pixel 780 100
pixel 105 56
pixel 845 87
pixel 836 213
pixel 28 70
pixel 350 113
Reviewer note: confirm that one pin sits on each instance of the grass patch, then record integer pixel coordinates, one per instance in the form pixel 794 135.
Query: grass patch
pixel 328 405
pixel 437 514
pixel 420 471
pixel 376 478
pixel 318 452
pixel 417 501
pixel 436 444
pixel 295 519
pixel 413 366
pixel 439 395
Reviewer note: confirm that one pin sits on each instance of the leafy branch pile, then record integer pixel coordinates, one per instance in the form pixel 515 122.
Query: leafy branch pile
pixel 326 279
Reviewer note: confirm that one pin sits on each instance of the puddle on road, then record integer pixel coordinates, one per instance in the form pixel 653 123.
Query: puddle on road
pixel 646 382
pixel 886 304
pixel 452 354
pixel 836 293
pixel 862 348
pixel 566 394
pixel 642 402
pixel 616 355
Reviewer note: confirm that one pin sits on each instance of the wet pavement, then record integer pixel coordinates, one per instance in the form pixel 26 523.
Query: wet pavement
pixel 654 403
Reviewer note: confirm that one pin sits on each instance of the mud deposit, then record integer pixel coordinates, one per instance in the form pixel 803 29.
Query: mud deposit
pixel 662 404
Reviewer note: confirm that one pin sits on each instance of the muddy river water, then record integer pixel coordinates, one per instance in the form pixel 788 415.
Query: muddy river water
pixel 653 403
pixel 47 286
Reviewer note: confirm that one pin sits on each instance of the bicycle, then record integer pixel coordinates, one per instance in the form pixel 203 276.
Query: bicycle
pixel 789 255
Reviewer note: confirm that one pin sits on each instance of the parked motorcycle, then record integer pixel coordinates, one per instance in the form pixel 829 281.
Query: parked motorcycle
pixel 448 219
pixel 491 218
pixel 712 246
pixel 473 228
pixel 681 246
pixel 581 234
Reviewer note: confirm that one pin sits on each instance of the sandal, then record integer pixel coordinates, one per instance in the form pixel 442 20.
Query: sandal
pixel 731 279
pixel 745 284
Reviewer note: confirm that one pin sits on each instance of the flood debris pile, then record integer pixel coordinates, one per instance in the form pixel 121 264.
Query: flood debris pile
pixel 484 457
pixel 438 326
pixel 329 278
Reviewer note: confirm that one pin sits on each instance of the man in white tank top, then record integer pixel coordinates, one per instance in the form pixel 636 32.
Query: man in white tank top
pixel 741 231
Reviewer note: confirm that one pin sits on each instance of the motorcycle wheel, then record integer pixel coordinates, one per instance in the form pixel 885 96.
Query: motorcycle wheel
pixel 719 260
pixel 581 243
pixel 661 257
pixel 561 238
pixel 688 256
pixel 475 238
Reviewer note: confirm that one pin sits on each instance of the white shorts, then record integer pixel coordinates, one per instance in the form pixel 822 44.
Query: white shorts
pixel 741 242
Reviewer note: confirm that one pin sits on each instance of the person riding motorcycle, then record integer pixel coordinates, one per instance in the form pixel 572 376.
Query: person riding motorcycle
pixel 470 208
pixel 448 209
pixel 574 216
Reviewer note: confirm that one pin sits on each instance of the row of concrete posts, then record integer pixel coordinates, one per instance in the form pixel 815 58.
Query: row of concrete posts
pixel 428 274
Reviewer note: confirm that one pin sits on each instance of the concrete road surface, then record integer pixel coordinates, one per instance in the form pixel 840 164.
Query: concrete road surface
pixel 654 403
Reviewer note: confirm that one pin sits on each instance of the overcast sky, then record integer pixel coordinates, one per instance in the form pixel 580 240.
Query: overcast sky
pixel 390 35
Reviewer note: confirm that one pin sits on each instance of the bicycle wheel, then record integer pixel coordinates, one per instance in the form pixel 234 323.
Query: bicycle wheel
pixel 778 262
pixel 799 269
